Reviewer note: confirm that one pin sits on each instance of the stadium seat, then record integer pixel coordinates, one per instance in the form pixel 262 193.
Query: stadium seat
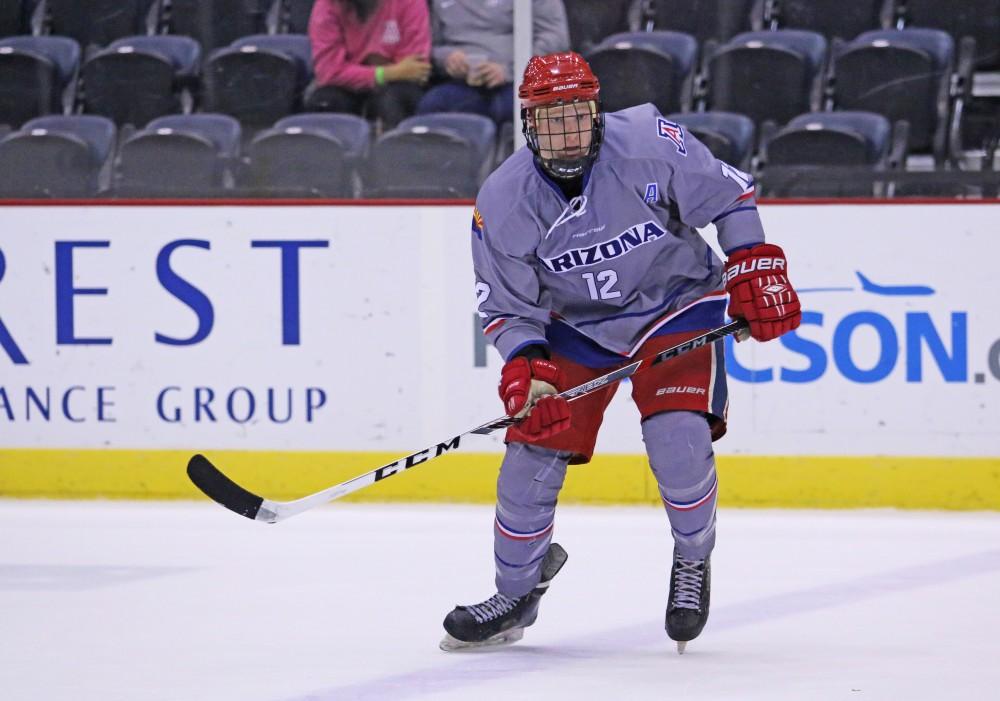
pixel 478 130
pixel 900 74
pixel 99 22
pixel 831 18
pixel 444 155
pixel 803 157
pixel 216 23
pixel 307 155
pixel 980 125
pixel 591 21
pixel 11 17
pixel 768 76
pixel 179 156
pixel 703 19
pixel 139 78
pixel 730 137
pixel 295 16
pixel 505 143
pixel 979 19
pixel 258 79
pixel 37 76
pixel 295 45
pixel 353 132
pixel 56 156
pixel 639 67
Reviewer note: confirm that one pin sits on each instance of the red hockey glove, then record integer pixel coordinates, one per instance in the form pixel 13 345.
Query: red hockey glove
pixel 528 389
pixel 759 291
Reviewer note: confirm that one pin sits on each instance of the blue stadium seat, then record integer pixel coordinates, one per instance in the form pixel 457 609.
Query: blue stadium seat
pixel 730 137
pixel 11 17
pixel 480 131
pixel 802 158
pixel 717 20
pixel 432 156
pixel 295 16
pixel 902 75
pixel 215 23
pixel 831 18
pixel 56 156
pixel 296 46
pixel 591 21
pixel 179 156
pixel 99 22
pixel 353 132
pixel 832 138
pixel 768 76
pixel 639 67
pixel 505 143
pixel 259 78
pixel 37 76
pixel 139 78
pixel 979 19
pixel 307 155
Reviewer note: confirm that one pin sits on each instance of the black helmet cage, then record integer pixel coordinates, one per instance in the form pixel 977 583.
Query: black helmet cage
pixel 565 168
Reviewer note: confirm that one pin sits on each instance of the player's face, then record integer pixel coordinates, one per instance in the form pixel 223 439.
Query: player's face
pixel 565 131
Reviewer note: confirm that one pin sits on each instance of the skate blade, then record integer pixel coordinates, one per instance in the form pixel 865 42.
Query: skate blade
pixel 450 644
pixel 681 646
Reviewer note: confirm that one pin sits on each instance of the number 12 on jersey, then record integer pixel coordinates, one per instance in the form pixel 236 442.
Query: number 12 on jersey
pixel 609 278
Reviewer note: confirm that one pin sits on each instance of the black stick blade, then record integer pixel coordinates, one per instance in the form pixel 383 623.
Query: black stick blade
pixel 220 488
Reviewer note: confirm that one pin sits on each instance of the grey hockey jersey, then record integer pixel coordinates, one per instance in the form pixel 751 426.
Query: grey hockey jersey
pixel 595 276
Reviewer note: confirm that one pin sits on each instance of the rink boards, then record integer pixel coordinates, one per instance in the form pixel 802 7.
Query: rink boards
pixel 302 345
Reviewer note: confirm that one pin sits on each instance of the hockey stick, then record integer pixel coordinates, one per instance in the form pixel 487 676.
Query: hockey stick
pixel 209 479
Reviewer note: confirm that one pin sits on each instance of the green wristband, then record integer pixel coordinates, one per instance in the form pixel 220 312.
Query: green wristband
pixel 380 75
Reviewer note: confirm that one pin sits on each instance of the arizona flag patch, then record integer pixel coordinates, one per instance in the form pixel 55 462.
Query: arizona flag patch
pixel 477 223
pixel 670 131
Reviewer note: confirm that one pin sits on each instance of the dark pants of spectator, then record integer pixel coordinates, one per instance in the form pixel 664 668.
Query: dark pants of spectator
pixel 453 96
pixel 389 103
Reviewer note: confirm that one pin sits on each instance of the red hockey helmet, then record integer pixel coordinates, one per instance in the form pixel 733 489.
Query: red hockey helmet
pixel 561 113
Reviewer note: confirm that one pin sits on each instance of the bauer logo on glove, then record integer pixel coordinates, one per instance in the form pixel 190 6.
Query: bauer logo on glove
pixel 759 291
pixel 758 264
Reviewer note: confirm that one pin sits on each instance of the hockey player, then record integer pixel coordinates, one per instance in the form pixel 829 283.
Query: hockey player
pixel 586 254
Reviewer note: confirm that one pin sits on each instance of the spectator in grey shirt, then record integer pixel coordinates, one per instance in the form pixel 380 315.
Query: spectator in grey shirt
pixel 473 53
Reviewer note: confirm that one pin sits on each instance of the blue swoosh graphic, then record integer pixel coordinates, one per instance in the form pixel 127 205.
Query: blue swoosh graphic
pixel 892 290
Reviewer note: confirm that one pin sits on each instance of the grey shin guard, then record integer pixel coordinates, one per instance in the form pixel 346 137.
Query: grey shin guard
pixel 527 491
pixel 679 445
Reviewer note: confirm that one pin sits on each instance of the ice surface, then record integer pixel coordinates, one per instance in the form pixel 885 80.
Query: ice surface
pixel 183 602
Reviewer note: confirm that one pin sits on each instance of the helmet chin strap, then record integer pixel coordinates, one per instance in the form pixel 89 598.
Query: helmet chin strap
pixel 565 168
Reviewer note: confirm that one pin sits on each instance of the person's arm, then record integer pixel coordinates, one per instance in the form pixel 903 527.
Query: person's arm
pixel 512 308
pixel 514 312
pixel 709 191
pixel 550 29
pixel 415 30
pixel 329 51
pixel 440 50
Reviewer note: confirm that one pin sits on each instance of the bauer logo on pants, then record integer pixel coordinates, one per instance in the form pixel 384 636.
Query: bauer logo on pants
pixel 679 390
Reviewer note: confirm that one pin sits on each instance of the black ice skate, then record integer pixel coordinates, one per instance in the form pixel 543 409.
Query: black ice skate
pixel 500 620
pixel 687 607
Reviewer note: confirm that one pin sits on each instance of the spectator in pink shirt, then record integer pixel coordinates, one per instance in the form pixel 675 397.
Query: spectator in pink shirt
pixel 371 57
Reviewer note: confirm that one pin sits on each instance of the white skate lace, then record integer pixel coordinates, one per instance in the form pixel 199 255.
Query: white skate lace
pixel 687 583
pixel 494 607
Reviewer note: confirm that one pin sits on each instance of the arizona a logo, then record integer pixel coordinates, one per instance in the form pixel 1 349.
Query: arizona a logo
pixel 672 132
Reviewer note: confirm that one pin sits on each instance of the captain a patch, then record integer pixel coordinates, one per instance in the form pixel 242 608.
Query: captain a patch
pixel 652 193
